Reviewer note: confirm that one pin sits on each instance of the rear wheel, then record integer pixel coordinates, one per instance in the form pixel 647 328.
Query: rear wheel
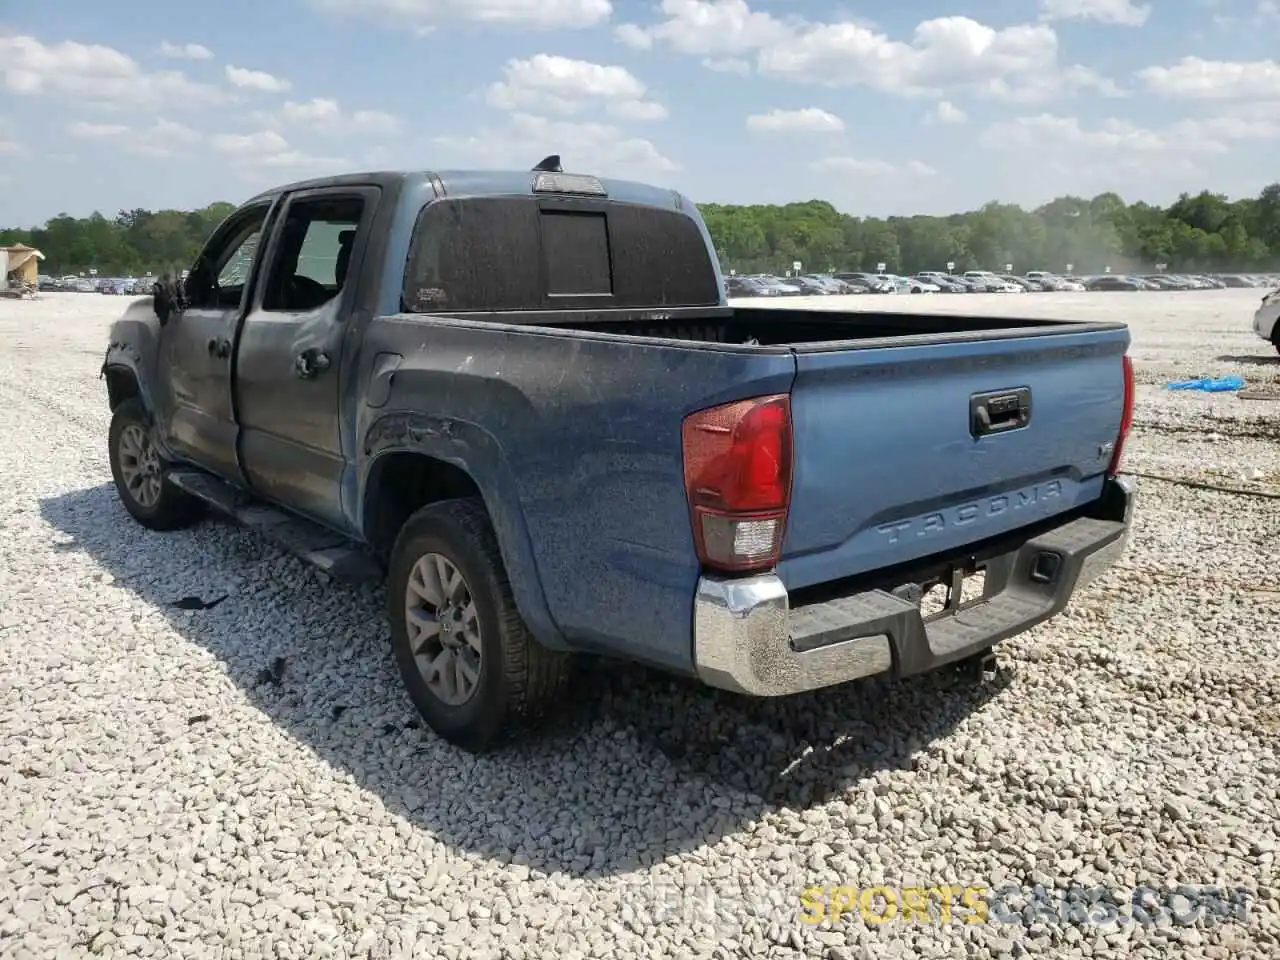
pixel 138 472
pixel 466 658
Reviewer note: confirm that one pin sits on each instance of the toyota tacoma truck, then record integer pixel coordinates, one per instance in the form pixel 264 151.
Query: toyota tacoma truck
pixel 522 400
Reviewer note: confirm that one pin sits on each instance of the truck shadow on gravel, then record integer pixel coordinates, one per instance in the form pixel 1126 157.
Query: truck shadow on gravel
pixel 638 767
pixel 1250 359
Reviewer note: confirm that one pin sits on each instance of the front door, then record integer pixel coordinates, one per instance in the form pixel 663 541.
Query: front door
pixel 289 359
pixel 194 407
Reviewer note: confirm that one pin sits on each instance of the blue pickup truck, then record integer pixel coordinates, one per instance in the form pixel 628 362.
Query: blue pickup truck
pixel 522 400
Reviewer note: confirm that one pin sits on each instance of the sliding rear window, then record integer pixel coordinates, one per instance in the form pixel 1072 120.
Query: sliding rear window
pixel 527 253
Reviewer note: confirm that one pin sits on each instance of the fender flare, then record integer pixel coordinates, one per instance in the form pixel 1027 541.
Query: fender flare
pixel 122 358
pixel 473 450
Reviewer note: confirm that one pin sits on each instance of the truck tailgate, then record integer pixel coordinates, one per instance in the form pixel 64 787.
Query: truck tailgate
pixel 892 461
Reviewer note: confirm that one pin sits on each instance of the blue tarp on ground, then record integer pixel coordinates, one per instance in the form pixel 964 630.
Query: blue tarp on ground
pixel 1209 384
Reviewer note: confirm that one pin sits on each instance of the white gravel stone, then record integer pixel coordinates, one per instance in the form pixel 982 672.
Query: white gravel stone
pixel 157 798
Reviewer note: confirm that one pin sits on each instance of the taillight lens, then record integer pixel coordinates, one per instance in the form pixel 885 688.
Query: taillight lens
pixel 737 475
pixel 1126 419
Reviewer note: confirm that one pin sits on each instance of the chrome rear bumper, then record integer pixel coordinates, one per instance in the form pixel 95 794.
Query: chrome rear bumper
pixel 748 639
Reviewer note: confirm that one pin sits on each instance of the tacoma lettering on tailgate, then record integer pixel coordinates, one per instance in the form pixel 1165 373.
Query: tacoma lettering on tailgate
pixel 974 511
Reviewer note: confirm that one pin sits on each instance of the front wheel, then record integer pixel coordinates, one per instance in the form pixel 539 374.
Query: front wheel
pixel 467 660
pixel 138 472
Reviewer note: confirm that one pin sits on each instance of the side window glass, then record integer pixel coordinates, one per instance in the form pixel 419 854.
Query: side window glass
pixel 310 265
pixel 218 279
pixel 474 254
pixel 235 272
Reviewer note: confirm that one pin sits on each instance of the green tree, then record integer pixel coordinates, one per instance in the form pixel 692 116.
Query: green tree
pixel 1202 231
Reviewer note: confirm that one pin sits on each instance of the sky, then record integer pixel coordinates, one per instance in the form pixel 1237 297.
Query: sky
pixel 935 107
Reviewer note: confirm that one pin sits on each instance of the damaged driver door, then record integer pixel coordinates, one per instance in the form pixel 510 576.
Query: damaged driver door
pixel 195 412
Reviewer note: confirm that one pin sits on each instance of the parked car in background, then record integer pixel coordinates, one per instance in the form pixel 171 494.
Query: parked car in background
pixel 832 285
pixel 742 287
pixel 942 282
pixel 970 286
pixel 999 284
pixel 912 284
pixel 874 283
pixel 780 287
pixel 1115 281
pixel 1050 281
pixel 1028 286
pixel 810 287
pixel 1210 283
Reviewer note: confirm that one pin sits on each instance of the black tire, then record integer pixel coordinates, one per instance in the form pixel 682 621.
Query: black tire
pixel 520 681
pixel 174 509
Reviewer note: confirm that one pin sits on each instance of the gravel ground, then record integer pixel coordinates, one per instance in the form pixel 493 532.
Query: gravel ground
pixel 249 781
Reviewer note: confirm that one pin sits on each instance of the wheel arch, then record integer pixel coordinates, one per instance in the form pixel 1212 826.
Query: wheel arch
pixel 413 461
pixel 123 384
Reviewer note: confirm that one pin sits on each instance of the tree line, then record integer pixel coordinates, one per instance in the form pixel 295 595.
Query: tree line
pixel 1202 232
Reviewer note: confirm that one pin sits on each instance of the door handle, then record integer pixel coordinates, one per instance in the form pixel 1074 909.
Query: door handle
pixel 999 410
pixel 219 347
pixel 309 363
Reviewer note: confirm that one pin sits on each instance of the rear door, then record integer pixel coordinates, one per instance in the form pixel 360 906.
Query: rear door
pixel 893 461
pixel 291 346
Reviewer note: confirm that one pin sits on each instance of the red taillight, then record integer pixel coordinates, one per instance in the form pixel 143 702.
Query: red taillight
pixel 737 475
pixel 1126 419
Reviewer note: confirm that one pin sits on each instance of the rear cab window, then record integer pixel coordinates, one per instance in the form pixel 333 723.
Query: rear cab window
pixel 512 254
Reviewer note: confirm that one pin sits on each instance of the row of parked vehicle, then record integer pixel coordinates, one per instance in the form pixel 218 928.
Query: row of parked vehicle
pixel 977 281
pixel 127 286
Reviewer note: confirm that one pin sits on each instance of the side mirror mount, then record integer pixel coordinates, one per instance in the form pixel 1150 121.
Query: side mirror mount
pixel 168 298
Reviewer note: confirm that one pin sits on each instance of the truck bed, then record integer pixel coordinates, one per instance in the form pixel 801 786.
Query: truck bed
pixel 791 327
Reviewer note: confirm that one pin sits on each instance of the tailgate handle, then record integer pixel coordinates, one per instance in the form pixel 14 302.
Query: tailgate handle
pixel 998 411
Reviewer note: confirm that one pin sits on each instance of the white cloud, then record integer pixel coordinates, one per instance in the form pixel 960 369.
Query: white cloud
pixel 860 166
pixel 599 148
pixel 267 149
pixel 326 116
pixel 727 65
pixel 161 139
pixel 709 28
pixel 805 120
pixel 249 144
pixel 1123 13
pixel 8 146
pixel 184 51
pixel 94 74
pixel 256 80
pixel 83 130
pixel 564 86
pixel 1048 133
pixel 948 112
pixel 1192 78
pixel 1018 63
pixel 425 15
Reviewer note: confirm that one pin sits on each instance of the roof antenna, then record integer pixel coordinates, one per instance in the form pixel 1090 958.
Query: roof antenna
pixel 549 164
